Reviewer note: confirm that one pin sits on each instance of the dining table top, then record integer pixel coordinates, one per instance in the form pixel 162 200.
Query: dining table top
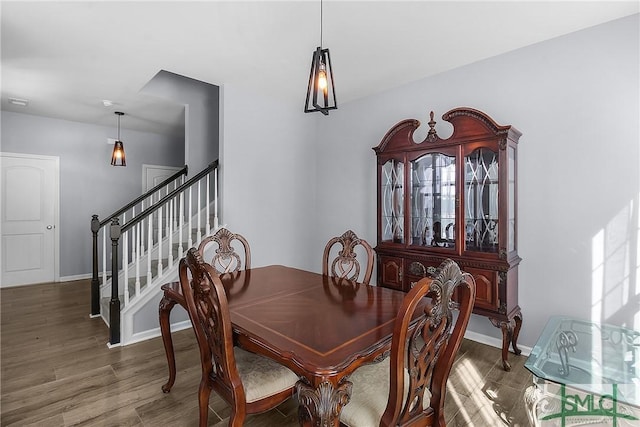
pixel 318 326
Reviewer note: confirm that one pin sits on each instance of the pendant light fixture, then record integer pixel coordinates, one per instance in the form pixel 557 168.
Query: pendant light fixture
pixel 118 157
pixel 321 93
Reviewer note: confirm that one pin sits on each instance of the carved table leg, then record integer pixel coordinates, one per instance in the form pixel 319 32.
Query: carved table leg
pixel 166 305
pixel 321 406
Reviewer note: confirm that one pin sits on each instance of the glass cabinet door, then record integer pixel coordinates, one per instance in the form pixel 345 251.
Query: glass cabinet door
pixel 511 206
pixel 433 200
pixel 481 201
pixel 392 194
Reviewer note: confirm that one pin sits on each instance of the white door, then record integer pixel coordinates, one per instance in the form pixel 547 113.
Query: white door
pixel 29 222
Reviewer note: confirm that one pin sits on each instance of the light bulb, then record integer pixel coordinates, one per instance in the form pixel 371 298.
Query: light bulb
pixel 322 77
pixel 322 80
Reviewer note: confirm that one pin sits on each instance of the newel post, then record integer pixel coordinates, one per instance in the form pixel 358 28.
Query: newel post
pixel 95 283
pixel 114 304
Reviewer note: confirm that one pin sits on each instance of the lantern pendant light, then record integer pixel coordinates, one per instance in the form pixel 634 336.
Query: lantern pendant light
pixel 118 157
pixel 321 93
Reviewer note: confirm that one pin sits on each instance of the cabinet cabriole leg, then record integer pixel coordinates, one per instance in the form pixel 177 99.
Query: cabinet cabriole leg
pixel 507 333
pixel 508 337
pixel 516 332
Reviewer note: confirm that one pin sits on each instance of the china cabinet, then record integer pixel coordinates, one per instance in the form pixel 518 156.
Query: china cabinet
pixel 453 198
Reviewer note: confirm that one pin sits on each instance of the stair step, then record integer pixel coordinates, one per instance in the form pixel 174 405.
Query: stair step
pixel 105 301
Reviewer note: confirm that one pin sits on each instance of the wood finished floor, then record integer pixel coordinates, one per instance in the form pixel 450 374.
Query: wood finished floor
pixel 56 370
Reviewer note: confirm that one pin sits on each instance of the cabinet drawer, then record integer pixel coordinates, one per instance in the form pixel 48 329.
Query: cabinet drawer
pixel 417 269
pixel 390 272
pixel 486 288
pixel 420 268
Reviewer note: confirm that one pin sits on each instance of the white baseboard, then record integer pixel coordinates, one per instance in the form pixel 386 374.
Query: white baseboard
pixel 75 277
pixel 153 333
pixel 492 341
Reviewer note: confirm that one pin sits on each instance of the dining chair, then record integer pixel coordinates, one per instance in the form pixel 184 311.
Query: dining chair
pixel 409 387
pixel 248 382
pixel 345 263
pixel 231 253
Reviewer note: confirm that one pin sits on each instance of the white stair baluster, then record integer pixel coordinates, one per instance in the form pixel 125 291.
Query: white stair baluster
pixel 189 218
pixel 198 212
pixel 215 199
pixel 207 193
pixel 134 250
pixel 180 226
pixel 125 266
pixel 175 209
pixel 137 257
pixel 159 272
pixel 167 217
pixel 149 247
pixel 170 263
pixel 104 255
pixel 141 231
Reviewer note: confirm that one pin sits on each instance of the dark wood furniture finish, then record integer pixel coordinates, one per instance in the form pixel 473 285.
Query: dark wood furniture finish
pixel 227 257
pixel 453 198
pixel 248 382
pixel 224 260
pixel 320 327
pixel 345 263
pixel 427 351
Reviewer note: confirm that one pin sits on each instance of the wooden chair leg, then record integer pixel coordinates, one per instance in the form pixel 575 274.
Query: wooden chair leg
pixel 166 305
pixel 203 402
pixel 236 419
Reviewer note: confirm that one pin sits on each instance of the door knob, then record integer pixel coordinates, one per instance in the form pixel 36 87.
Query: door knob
pixel 49 227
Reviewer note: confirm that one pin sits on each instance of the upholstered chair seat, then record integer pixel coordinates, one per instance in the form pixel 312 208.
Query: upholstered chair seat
pixel 229 252
pixel 370 394
pixel 262 377
pixel 409 387
pixel 249 383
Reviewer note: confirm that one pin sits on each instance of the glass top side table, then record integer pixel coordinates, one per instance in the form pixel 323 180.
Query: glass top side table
pixel 584 373
pixel 589 356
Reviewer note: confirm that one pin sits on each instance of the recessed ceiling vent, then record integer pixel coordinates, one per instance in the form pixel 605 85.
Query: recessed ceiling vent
pixel 19 102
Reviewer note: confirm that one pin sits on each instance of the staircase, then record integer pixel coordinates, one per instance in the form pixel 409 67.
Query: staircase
pixel 143 243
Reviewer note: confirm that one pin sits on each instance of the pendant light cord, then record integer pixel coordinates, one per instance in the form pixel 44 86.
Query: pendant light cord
pixel 321 23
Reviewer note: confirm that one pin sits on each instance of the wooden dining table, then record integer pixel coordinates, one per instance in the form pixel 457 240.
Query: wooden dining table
pixel 320 327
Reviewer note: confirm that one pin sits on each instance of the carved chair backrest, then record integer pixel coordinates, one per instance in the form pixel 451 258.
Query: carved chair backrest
pixel 209 313
pixel 428 352
pixel 345 263
pixel 232 252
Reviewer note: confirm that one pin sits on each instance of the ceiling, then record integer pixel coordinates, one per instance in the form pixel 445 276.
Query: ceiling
pixel 65 58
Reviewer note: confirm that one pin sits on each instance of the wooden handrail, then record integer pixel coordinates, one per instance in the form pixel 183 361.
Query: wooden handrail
pixel 118 230
pixel 157 205
pixel 96 225
pixel 183 171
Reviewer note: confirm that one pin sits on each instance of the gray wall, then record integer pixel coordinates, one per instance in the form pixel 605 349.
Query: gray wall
pixel 576 101
pixel 88 183
pixel 202 111
pixel 268 177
